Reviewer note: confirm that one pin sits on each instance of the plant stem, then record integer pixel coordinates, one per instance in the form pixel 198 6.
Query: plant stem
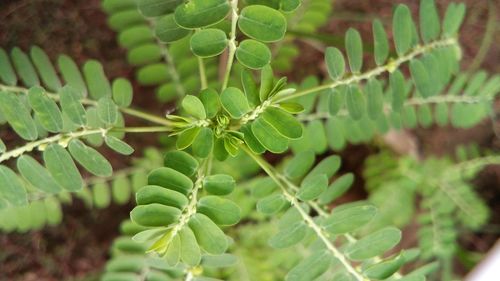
pixel 232 43
pixel 318 230
pixel 203 75
pixel 129 111
pixel 389 67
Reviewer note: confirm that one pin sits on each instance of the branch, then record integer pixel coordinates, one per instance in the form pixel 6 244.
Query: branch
pixel 389 67
pixel 232 43
pixel 318 230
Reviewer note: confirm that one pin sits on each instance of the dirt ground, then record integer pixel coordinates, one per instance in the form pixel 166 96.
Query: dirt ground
pixel 79 246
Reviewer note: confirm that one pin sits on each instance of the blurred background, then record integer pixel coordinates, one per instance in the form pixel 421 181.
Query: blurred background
pixel 77 249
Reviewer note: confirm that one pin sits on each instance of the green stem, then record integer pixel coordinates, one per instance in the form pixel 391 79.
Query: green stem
pixel 203 76
pixel 318 230
pixel 232 43
pixel 389 67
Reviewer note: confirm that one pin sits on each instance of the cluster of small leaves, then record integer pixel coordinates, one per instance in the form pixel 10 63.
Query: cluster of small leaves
pixel 449 202
pixel 182 225
pixel 144 28
pixel 55 123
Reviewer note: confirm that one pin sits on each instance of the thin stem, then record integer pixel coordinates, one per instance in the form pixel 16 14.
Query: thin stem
pixel 129 111
pixel 56 138
pixel 141 129
pixel 318 230
pixel 203 76
pixel 232 43
pixel 389 67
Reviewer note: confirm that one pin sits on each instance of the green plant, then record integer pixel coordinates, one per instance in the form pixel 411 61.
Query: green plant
pixel 187 207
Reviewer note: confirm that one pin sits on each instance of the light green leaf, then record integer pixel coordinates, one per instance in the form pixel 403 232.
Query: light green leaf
pixel 190 253
pixel 208 234
pixel 375 99
pixel 262 23
pixel 251 140
pixel 45 109
pixel 219 261
pixel 286 124
pixel 311 267
pixel 387 268
pixel 107 110
pixel 210 99
pixel 336 189
pixel 62 168
pixel 45 68
pixel 101 195
pixel 71 74
pixel 181 162
pixel 204 143
pixel 18 115
pixel 453 19
pixel 429 21
pixel 155 8
pixel 171 179
pixel 154 215
pixel 173 254
pixel 421 78
pixel 335 63
pixel 201 13
pixel 208 42
pixel 96 80
pixel 187 137
pixel 402 29
pixel 24 68
pixel 250 88
pixel 220 210
pixel 354 48
pixel 71 105
pixel 313 187
pixel 291 107
pixel 327 166
pixel 37 175
pixel 219 184
pixel 347 219
pixel 194 107
pixel 374 244
pixel 11 188
pixel 122 92
pixel 301 163
pixel 150 194
pixel 90 158
pixel 118 145
pixel 336 99
pixel 271 204
pixel 398 90
pixel 234 102
pixel 167 30
pixel 355 100
pixel 253 54
pixel 266 82
pixel 381 44
pixel 268 136
pixel 121 190
pixel 289 235
pixel 7 73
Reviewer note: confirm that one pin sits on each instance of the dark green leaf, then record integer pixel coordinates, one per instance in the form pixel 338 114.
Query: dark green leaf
pixel 402 29
pixel 167 30
pixel 190 253
pixel 398 90
pixel 71 105
pixel 171 179
pixel 122 92
pixel 208 234
pixel 208 42
pixel 262 23
pixel 375 99
pixel 375 244
pixel 220 184
pixel 181 162
pixel 336 189
pixel 348 219
pixel 253 54
pixel 24 68
pixel 45 68
pixel 7 74
pixel 46 110
pixel 268 136
pixel 210 99
pixel 150 194
pixel 453 18
pixel 250 88
pixel 154 215
pixel 155 8
pixel 355 100
pixel 429 21
pixel 201 13
pixel 96 80
pixel 118 145
pixel 71 74
pixel 204 143
pixel 222 211
pixel 187 137
pixel 286 124
pixel 234 102
pixel 107 110
pixel 421 78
